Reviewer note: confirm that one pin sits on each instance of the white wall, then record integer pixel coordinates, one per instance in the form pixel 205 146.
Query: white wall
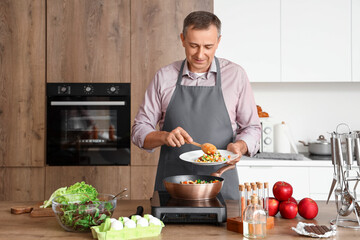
pixel 310 109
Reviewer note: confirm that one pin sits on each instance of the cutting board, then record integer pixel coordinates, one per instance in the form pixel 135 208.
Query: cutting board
pixel 35 210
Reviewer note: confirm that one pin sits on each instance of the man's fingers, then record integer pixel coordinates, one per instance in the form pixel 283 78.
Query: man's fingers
pixel 186 136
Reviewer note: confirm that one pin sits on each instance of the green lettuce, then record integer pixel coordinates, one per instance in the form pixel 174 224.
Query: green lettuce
pixel 79 187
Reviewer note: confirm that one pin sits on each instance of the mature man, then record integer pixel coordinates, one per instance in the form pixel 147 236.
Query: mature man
pixel 202 99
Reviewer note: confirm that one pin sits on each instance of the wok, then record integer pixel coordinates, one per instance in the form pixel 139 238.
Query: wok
pixel 196 191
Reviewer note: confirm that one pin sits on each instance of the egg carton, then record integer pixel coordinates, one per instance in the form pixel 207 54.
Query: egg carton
pixel 106 232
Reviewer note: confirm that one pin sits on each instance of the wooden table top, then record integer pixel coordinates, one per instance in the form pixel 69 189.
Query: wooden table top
pixel 26 227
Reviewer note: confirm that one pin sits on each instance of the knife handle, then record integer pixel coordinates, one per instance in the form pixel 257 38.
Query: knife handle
pixel 357 150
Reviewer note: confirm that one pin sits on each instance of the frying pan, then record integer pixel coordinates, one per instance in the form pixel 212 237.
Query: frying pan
pixel 195 191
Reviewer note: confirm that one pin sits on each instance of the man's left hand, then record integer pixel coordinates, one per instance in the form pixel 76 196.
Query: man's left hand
pixel 238 147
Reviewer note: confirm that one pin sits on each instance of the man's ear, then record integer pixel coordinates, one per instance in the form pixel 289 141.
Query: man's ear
pixel 182 39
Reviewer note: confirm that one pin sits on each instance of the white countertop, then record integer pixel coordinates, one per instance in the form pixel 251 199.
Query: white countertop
pixel 306 162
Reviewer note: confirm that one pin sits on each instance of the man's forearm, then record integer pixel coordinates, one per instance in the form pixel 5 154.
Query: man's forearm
pixel 154 139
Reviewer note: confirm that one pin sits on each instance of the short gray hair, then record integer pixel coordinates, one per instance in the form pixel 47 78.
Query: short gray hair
pixel 201 20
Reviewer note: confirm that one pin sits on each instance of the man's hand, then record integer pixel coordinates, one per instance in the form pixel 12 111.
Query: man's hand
pixel 175 138
pixel 238 147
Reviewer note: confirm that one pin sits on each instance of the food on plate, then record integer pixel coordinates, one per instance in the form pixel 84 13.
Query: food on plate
pixel 288 209
pixel 206 158
pixel 79 187
pixel 199 181
pixel 209 148
pixel 308 208
pixel 282 191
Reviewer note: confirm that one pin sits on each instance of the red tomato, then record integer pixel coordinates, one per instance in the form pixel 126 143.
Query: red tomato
pixel 288 209
pixel 282 191
pixel 308 208
pixel 273 206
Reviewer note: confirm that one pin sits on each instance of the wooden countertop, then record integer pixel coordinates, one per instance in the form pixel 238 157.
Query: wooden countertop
pixel 26 227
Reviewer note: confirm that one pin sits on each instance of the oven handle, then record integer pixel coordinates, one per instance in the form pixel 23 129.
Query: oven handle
pixel 90 103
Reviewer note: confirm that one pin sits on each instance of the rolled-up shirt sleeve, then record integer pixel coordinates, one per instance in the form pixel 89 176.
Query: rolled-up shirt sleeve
pixel 148 115
pixel 247 119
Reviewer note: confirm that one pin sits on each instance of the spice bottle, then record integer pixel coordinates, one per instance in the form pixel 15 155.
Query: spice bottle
pixel 260 193
pixel 242 200
pixel 266 198
pixel 248 194
pixel 254 224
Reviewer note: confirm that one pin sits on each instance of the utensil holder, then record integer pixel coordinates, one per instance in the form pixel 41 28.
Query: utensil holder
pixel 348 203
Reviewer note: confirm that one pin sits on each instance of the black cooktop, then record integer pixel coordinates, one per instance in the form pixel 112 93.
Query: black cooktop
pixel 171 210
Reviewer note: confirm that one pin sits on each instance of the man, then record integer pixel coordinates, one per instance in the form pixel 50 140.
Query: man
pixel 202 99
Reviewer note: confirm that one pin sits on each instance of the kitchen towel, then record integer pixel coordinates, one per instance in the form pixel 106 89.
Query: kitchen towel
pixel 279 156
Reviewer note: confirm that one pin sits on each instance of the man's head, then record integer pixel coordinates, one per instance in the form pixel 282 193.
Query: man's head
pixel 200 37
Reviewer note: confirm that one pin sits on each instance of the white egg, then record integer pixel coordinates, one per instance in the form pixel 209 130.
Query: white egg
pixel 112 220
pixel 130 224
pixel 150 216
pixel 117 225
pixel 125 219
pixel 142 222
pixel 154 221
pixel 137 217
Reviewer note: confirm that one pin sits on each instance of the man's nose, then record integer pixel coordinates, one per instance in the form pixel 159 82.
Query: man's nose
pixel 200 52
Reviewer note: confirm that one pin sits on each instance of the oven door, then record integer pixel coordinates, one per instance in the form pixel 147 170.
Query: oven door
pixel 88 130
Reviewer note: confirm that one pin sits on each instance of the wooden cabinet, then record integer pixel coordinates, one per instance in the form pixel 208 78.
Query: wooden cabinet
pixel 251 36
pixel 22 78
pixel 316 41
pixel 155 42
pixel 142 181
pixel 22 184
pixel 105 179
pixel 88 41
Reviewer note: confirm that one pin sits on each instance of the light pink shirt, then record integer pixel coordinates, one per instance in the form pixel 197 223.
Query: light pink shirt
pixel 237 92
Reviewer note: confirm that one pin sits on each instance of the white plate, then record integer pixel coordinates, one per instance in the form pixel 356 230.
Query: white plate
pixel 193 155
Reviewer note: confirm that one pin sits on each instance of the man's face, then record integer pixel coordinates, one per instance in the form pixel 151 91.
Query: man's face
pixel 200 47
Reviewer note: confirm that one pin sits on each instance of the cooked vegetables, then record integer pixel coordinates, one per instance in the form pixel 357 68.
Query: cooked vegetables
pixel 199 181
pixel 211 158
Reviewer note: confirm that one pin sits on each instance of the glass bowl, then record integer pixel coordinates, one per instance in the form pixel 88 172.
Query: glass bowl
pixel 76 213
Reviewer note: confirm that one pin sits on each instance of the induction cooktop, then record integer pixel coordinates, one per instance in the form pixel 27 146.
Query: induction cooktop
pixel 171 210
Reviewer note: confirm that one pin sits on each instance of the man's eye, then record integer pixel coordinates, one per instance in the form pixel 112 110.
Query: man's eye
pixel 193 46
pixel 208 47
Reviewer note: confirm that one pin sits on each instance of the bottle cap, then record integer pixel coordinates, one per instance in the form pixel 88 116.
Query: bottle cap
pixel 254 199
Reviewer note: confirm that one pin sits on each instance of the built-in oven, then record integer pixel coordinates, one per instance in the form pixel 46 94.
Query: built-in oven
pixel 88 124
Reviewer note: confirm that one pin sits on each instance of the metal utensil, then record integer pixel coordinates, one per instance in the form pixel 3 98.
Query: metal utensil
pixel 124 190
pixel 333 161
pixel 357 148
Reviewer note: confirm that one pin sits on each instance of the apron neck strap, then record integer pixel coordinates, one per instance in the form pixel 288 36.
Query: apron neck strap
pixel 218 74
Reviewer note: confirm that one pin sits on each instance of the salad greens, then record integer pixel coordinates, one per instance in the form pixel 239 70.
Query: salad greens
pixel 79 187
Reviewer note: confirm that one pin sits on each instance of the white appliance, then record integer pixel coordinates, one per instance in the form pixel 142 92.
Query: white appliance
pixel 267 135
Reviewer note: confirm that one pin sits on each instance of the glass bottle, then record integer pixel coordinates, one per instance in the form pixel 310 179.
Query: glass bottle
pixel 254 225
pixel 242 200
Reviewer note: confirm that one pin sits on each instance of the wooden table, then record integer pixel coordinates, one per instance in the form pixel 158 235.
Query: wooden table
pixel 26 227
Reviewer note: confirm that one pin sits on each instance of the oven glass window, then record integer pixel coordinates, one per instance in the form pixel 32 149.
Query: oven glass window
pixel 87 129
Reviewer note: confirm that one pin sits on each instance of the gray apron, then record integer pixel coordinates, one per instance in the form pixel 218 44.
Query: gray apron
pixel 201 111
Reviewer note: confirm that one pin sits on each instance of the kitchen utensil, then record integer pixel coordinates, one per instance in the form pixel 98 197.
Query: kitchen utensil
pixel 196 191
pixel 349 151
pixel 320 147
pixel 207 148
pixel 192 156
pixel 124 190
pixel 333 161
pixel 357 149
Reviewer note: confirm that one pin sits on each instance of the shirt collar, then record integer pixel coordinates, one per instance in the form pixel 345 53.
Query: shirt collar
pixel 211 69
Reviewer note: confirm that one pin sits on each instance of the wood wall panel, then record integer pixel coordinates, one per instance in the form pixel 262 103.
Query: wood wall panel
pixel 22 184
pixel 142 181
pixel 106 179
pixel 155 42
pixel 22 82
pixel 88 41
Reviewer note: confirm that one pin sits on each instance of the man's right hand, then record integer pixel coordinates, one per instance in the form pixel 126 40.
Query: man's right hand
pixel 175 138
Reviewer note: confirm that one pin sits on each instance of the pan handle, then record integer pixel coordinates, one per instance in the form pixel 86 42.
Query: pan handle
pixel 220 171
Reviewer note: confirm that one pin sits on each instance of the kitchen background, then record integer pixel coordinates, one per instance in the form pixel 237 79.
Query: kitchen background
pixel 128 41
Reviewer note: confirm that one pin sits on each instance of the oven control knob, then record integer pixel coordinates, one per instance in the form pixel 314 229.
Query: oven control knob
pixel 88 89
pixel 267 130
pixel 112 89
pixel 267 141
pixel 63 89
